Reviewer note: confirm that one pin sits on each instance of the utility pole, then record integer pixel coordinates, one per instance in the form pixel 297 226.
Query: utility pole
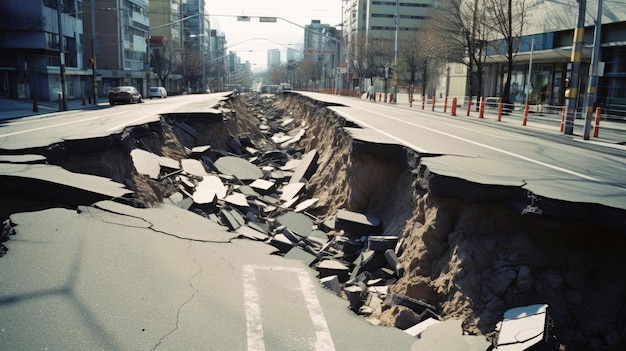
pixel 63 102
pixel 93 51
pixel 571 92
pixel 395 56
pixel 592 85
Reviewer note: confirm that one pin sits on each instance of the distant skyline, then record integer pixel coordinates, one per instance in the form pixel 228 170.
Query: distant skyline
pixel 251 40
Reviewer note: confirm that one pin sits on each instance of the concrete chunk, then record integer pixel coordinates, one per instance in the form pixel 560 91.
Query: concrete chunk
pixel 146 163
pixel 237 199
pixel 193 167
pixel 296 222
pixel 357 224
pixel 232 219
pixel 238 167
pixel 251 233
pixel 306 204
pixel 332 283
pixel 301 255
pixel 282 243
pixel 263 186
pixel 333 267
pixel 306 168
pixel 212 183
pixel 292 190
pixel 381 243
pixel 448 335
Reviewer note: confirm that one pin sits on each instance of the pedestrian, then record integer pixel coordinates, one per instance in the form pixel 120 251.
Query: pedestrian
pixel 371 93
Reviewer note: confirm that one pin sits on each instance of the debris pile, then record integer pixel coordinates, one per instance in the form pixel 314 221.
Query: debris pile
pixel 259 190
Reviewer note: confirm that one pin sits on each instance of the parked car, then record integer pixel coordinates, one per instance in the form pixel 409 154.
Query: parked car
pixel 124 95
pixel 284 88
pixel 159 92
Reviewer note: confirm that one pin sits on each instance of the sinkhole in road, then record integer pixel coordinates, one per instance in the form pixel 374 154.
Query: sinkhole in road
pixel 472 260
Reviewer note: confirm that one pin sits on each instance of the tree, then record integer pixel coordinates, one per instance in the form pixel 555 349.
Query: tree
pixel 162 62
pixel 367 55
pixel 421 53
pixel 507 19
pixel 462 26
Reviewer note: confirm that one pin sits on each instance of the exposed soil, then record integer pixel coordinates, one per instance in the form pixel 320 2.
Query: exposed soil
pixel 474 261
pixel 471 260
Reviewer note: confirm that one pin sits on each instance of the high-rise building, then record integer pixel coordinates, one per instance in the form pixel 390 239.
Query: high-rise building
pixel 122 28
pixel 273 57
pixel 377 19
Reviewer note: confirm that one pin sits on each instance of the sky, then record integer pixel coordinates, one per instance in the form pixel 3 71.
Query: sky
pixel 251 40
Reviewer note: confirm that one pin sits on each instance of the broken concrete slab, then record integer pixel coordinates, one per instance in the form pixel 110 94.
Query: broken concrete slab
pixel 357 224
pixel 371 261
pixel 354 294
pixel 306 167
pixel 248 191
pixel 237 199
pixel 332 283
pixel 381 243
pixel 239 168
pixel 296 222
pixel 211 183
pixel 53 183
pixel 290 203
pixel 329 267
pixel 26 158
pixel 417 329
pixel 193 167
pixel 169 163
pixel 301 255
pixel 232 218
pixel 291 165
pixel 306 204
pixel 392 261
pixel 263 186
pixel 448 335
pixel 198 151
pixel 146 163
pixel 252 234
pixel 416 305
pixel 292 190
pixel 282 243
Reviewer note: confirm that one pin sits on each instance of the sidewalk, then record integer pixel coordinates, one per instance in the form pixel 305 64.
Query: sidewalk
pixel 10 109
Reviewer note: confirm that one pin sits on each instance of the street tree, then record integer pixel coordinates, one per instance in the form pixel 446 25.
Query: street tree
pixel 507 19
pixel 463 31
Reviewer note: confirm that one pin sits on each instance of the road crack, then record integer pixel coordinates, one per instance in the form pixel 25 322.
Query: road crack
pixel 149 225
pixel 178 312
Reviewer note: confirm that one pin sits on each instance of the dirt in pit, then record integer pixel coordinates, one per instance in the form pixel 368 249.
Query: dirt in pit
pixel 472 261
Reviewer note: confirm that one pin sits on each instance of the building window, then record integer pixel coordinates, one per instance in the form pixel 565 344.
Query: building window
pixel 52 41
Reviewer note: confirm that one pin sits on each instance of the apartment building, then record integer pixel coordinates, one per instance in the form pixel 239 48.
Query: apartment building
pixel 121 42
pixel 33 33
pixel 366 21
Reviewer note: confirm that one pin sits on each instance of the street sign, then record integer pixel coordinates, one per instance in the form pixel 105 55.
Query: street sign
pixel 243 18
pixel 267 19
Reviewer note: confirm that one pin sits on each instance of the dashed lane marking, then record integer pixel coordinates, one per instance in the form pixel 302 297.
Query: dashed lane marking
pixel 323 339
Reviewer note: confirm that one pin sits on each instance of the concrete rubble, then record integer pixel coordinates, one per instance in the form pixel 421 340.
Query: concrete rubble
pixel 260 192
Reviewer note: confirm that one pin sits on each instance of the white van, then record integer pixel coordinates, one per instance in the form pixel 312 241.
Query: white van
pixel 159 92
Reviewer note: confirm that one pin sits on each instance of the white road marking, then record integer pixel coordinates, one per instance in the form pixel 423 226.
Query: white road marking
pixel 323 342
pixel 58 124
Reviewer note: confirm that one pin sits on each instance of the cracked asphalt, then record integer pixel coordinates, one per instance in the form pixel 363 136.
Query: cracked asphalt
pixel 114 277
